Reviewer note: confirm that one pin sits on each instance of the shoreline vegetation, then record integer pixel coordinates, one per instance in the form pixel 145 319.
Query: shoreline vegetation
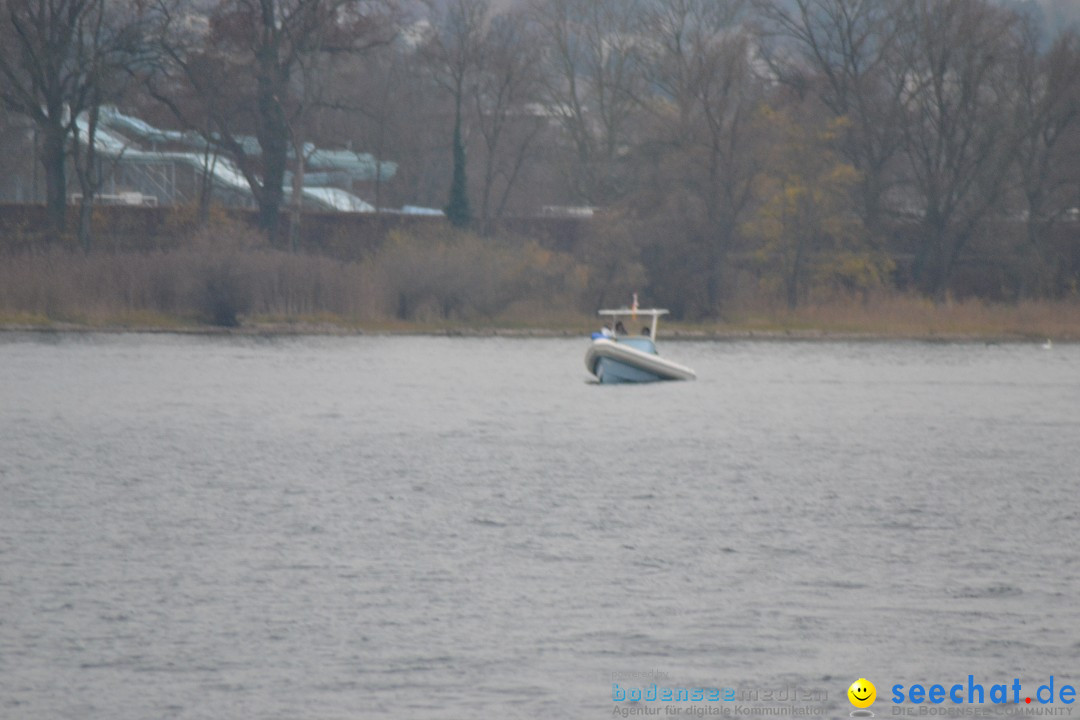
pixel 439 282
pixel 899 317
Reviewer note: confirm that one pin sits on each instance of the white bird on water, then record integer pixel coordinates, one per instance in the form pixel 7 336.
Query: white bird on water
pixel 1048 345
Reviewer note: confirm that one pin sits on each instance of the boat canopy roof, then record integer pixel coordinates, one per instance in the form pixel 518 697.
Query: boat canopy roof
pixel 651 312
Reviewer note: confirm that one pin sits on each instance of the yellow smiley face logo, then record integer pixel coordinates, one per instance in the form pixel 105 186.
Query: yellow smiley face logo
pixel 862 693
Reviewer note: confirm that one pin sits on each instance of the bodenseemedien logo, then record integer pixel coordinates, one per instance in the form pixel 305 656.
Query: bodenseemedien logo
pixel 862 694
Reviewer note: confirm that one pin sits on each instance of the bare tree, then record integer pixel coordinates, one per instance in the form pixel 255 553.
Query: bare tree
pixel 385 103
pixel 846 54
pixel 308 90
pixel 57 61
pixel 705 97
pixel 114 50
pixel 591 81
pixel 506 112
pixel 959 135
pixel 453 52
pixel 1047 115
pixel 244 75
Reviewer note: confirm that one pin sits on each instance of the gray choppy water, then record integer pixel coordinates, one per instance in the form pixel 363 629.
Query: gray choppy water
pixel 197 527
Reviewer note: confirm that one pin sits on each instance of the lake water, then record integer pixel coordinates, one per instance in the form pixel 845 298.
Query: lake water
pixel 422 527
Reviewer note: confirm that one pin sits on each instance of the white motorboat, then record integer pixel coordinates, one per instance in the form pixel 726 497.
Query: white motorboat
pixel 615 356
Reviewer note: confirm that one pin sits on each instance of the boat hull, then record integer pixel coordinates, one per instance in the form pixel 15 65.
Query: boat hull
pixel 613 361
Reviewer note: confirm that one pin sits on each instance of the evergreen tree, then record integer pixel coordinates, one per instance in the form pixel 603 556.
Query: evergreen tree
pixel 457 210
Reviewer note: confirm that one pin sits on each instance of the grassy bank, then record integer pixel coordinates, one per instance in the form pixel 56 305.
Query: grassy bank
pixel 895 318
pixel 906 316
pixel 466 285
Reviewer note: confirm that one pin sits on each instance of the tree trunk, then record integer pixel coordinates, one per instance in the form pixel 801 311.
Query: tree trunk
pixel 86 213
pixel 718 247
pixel 53 156
pixel 273 136
pixel 272 195
pixel 206 189
pixel 84 161
pixel 933 265
pixel 485 198
pixel 296 207
pixel 457 209
pixel 930 258
pixel 793 280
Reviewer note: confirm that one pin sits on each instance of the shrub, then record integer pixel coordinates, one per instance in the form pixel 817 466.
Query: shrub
pixel 446 274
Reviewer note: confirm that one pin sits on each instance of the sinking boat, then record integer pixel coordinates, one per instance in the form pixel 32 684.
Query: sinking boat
pixel 618 357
